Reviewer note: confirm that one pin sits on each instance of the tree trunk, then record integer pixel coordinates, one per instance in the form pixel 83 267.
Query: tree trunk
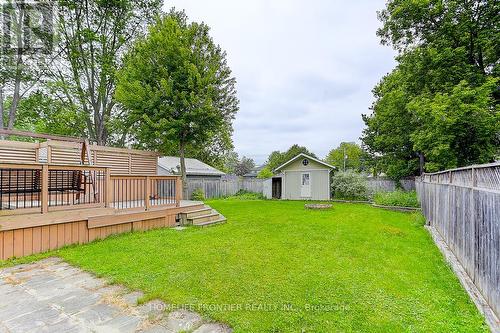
pixel 1 112
pixel 182 149
pixel 421 162
pixel 17 79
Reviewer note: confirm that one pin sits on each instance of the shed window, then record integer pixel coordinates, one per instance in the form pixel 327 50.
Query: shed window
pixel 305 179
pixel 305 162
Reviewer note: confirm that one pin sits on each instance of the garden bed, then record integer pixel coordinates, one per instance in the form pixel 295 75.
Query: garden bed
pixel 318 206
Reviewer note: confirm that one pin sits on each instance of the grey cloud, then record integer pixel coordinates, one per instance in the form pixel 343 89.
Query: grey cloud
pixel 305 70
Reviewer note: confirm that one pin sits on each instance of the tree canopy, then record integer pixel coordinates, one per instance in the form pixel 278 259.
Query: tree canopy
pixel 349 152
pixel 439 108
pixel 277 158
pixel 178 86
pixel 93 36
pixel 244 166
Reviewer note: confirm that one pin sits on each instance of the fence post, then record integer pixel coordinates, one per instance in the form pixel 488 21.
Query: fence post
pixel 45 188
pixel 147 193
pixel 178 191
pixel 474 177
pixel 108 187
pixel 450 199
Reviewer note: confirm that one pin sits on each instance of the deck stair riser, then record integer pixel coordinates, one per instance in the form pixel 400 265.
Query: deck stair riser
pixel 202 217
pixel 200 212
pixel 205 218
pixel 211 223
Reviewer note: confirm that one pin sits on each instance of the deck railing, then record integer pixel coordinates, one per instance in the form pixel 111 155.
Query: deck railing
pixel 40 188
pixel 131 192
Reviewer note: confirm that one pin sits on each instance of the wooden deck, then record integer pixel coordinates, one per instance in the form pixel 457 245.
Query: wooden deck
pixel 44 207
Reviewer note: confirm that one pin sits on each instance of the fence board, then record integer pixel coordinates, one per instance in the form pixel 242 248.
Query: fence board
pixel 381 184
pixel 463 205
pixel 225 186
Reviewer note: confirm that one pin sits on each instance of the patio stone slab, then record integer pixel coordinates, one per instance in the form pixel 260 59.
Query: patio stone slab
pixel 53 296
pixel 213 328
pixel 183 320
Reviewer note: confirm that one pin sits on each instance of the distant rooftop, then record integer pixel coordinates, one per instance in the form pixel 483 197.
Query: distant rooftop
pixel 194 167
pixel 255 171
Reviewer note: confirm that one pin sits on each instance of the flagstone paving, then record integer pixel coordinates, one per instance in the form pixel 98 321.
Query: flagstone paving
pixel 53 296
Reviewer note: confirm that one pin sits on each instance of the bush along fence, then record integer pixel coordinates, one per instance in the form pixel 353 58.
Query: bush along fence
pixel 214 187
pixel 463 206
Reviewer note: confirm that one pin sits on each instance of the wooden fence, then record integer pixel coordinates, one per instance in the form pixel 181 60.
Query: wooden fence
pixel 229 185
pixel 463 205
pixel 225 186
pixel 381 184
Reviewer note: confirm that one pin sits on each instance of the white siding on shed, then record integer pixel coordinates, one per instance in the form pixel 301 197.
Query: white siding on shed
pixel 320 184
pixel 319 180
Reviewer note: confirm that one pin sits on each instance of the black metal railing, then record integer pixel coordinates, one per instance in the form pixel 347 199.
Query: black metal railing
pixel 162 191
pixel 44 188
pixel 20 188
pixel 128 192
pixel 76 187
pixel 143 191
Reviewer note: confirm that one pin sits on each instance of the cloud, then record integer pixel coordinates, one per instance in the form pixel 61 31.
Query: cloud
pixel 305 69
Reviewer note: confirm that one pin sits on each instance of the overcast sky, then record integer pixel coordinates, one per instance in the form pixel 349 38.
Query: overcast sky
pixel 305 69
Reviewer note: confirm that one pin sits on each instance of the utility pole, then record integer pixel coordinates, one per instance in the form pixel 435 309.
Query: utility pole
pixel 345 158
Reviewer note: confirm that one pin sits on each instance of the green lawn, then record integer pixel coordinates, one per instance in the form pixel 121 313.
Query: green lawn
pixel 276 267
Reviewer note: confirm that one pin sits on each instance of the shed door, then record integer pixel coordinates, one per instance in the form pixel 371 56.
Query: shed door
pixel 305 185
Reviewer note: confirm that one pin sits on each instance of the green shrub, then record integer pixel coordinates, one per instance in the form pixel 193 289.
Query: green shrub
pixel 247 195
pixel 198 195
pixel 265 173
pixel 349 185
pixel 397 198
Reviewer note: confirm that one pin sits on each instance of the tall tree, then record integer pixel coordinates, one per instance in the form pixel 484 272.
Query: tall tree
pixel 93 35
pixel 347 156
pixel 231 160
pixel 178 86
pixel 244 166
pixel 448 69
pixel 26 52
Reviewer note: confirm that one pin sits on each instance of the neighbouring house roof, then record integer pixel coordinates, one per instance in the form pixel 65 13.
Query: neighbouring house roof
pixel 254 171
pixel 302 155
pixel 171 165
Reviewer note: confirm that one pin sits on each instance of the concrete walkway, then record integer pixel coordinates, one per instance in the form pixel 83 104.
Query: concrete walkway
pixel 52 296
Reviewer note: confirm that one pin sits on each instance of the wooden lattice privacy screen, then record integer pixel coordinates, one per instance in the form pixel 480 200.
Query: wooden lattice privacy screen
pixel 121 161
pixel 18 152
pixel 463 205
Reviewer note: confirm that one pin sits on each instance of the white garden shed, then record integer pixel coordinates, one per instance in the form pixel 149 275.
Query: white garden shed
pixel 302 178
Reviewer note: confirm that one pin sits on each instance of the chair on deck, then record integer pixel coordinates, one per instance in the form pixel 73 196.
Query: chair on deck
pixel 22 185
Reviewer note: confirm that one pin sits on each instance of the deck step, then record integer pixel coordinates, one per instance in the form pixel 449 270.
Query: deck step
pixel 204 218
pixel 185 217
pixel 201 217
pixel 210 223
pixel 199 212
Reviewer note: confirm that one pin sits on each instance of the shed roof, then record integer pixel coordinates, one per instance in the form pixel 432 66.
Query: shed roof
pixel 303 156
pixel 171 164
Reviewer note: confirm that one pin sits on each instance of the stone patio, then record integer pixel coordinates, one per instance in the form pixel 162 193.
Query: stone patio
pixel 53 296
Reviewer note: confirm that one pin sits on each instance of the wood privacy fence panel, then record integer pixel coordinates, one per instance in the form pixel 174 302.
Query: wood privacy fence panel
pixel 463 205
pixel 121 161
pixel 18 152
pixel 222 187
pixel 387 185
